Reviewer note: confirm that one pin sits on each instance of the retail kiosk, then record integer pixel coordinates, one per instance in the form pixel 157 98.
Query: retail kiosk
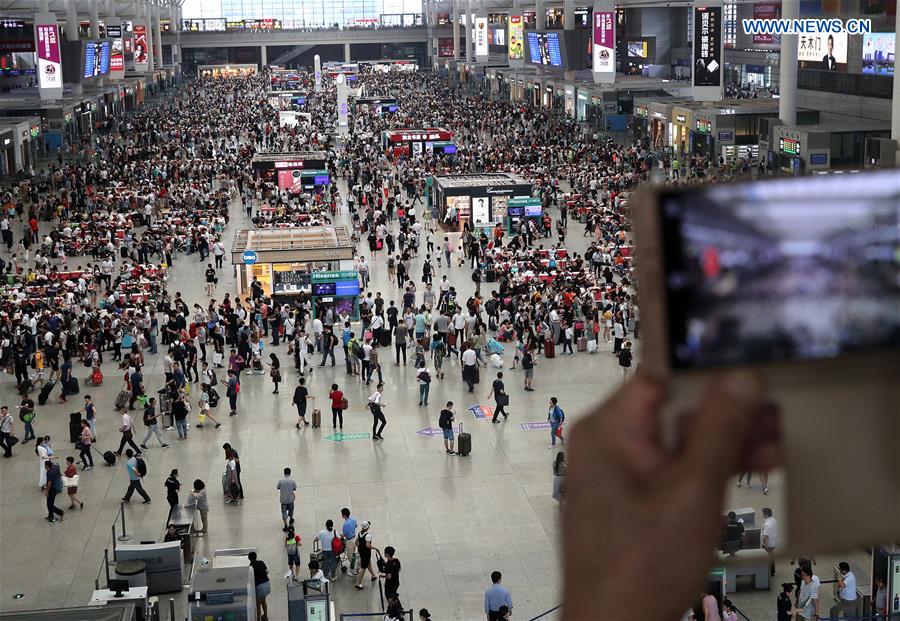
pixel 519 209
pixel 227 71
pixel 480 200
pixel 382 106
pixel 415 142
pixel 283 260
pixel 294 172
pixel 338 290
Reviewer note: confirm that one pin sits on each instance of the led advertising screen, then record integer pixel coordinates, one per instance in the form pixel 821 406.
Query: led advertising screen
pixel 96 59
pixel 141 51
pixel 826 52
pixel 516 50
pixel 708 46
pixel 291 180
pixel 767 10
pixel 16 35
pixel 879 50
pixel 604 48
pixel 116 52
pixel 638 49
pixel 481 32
pixel 49 66
pixel 544 49
pixel 481 211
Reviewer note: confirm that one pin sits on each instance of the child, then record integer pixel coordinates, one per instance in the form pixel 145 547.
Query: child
pixel 292 548
pixel 784 602
pixel 730 613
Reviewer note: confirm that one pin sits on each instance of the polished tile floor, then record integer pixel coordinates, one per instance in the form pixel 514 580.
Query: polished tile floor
pixel 453 520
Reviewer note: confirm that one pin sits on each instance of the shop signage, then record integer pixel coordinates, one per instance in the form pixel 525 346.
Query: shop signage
pixel 420 136
pixel 249 257
pixel 789 146
pixel 680 118
pixel 289 164
pixel 818 159
pixel 516 48
pixel 530 201
pixel 725 136
pixel 658 115
pixel 334 276
pixel 141 51
pixel 641 111
pixel 35 131
pixel 704 126
pixel 492 190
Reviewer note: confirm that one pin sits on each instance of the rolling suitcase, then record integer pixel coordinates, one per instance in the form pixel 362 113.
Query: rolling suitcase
pixel 582 344
pixel 45 392
pixel 549 349
pixel 463 442
pixel 317 419
pixel 109 457
pixel 74 426
pixel 122 400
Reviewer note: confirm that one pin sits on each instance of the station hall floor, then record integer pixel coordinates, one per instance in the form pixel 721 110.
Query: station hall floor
pixel 453 520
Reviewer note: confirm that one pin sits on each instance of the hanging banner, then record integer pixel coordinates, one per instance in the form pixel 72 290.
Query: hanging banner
pixel 707 65
pixel 481 42
pixel 604 44
pixel 49 63
pixel 516 37
pixel 116 50
pixel 141 49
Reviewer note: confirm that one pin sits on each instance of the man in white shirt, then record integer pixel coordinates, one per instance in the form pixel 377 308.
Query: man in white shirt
pixel 769 536
pixel 470 370
pixel 847 593
pixel 376 403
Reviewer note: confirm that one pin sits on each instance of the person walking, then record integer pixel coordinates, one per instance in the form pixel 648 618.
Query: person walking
pixel 348 532
pixel 44 452
pixel 846 605
pixel 528 364
pixel 86 440
pixel 126 428
pixel 6 431
pixel 70 482
pixel 301 396
pixel 625 359
pixel 445 422
pixel 401 335
pixel 365 547
pixel 559 475
pixel 329 342
pixel 152 424
pixel 206 408
pixel 172 485
pixel 197 500
pixel 326 540
pixel 287 494
pixel 391 574
pixel 53 486
pixel 556 416
pixel 292 544
pixel 469 368
pixel 495 597
pixel 134 478
pixel 231 454
pixel 769 536
pixel 338 404
pixel 376 405
pixel 424 379
pixel 234 387
pixel 26 415
pixel 262 584
pixel 274 371
pixel 180 414
pixel 501 399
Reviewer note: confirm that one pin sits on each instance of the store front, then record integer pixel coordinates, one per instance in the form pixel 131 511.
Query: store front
pixel 284 260
pixel 569 101
pixel 640 122
pixel 480 201
pixel 7 152
pixel 336 290
pixel 523 209
pixel 295 173
pixel 378 106
pixel 680 129
pixel 416 142
pixel 702 139
pixel 221 72
pixel 659 126
pixel 582 103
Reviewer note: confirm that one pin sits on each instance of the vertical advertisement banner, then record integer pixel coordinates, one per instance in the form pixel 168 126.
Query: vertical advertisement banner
pixel 49 63
pixel 481 38
pixel 141 49
pixel 767 10
pixel 708 43
pixel 116 50
pixel 604 44
pixel 516 38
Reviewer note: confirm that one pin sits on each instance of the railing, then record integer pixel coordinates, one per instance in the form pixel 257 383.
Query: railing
pixel 546 612
pixel 359 615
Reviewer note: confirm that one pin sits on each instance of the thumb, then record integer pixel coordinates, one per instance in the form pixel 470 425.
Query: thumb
pixel 721 426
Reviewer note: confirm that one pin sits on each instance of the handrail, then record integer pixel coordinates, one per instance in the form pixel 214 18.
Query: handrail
pixel 545 613
pixel 351 615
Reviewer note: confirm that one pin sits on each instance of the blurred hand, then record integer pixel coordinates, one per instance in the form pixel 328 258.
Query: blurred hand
pixel 640 524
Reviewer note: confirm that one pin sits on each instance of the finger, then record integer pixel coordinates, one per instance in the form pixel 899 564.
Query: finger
pixel 721 427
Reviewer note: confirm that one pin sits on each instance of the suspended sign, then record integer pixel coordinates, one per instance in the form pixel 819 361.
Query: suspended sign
pixel 49 64
pixel 604 43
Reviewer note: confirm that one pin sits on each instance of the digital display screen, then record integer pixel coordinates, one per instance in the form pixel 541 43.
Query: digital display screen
pixel 879 53
pixel 544 48
pixel 450 149
pixel 324 288
pixel 638 49
pixel 783 270
pixel 825 52
pixel 321 180
pixel 707 46
pixel 533 211
pixel 347 287
pixel 300 101
pixel 515 212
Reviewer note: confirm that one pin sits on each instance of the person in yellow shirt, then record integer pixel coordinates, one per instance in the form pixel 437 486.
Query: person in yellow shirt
pixel 39 367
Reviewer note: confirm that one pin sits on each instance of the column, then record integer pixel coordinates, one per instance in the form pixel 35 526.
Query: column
pixel 72 35
pixel 787 81
pixel 44 6
pixel 176 46
pixel 895 103
pixel 110 8
pixel 263 57
pixel 147 16
pixel 569 24
pixel 95 19
pixel 540 23
pixel 346 52
pixel 470 43
pixel 455 17
pixel 157 36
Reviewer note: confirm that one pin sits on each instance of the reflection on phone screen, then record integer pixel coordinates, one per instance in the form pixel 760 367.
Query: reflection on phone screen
pixel 784 270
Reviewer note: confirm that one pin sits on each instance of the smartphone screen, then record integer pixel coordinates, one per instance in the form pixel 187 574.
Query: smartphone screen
pixel 795 269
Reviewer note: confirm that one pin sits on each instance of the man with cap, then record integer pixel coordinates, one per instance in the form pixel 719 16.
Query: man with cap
pixel 364 547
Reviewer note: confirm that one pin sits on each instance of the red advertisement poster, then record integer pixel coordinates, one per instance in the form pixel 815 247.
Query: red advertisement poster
pixel 290 180
pixel 141 50
pixel 766 10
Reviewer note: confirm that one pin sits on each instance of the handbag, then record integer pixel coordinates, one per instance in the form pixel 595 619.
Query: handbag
pixel 559 432
pixel 70 481
pixel 12 440
pixel 80 446
pixel 345 405
pixel 276 375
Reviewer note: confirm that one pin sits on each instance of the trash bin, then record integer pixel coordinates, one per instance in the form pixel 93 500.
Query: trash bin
pixel 135 572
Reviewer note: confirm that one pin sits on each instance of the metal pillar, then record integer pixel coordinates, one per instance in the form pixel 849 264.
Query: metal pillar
pixel 569 24
pixel 470 27
pixel 787 87
pixel 263 56
pixel 346 52
pixel 455 18
pixel 540 23
pixel 95 19
pixel 157 36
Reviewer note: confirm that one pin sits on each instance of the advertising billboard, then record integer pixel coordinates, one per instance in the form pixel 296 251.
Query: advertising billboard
pixel 96 59
pixel 116 51
pixel 826 52
pixel 544 49
pixel 481 39
pixel 708 46
pixel 141 50
pixel 879 49
pixel 604 47
pixel 291 180
pixel 49 65
pixel 767 10
pixel 516 50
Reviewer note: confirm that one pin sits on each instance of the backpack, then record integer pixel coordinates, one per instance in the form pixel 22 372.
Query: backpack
pixel 213 380
pixel 356 349
pixel 337 544
pixel 57 482
pixel 425 377
pixel 291 546
pixel 141 467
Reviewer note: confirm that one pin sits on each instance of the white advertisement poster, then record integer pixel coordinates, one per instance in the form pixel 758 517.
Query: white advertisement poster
pixel 604 42
pixel 481 36
pixel 47 52
pixel 481 211
pixel 827 52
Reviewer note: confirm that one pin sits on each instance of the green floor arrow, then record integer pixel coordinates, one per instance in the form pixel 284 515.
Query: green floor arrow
pixel 341 437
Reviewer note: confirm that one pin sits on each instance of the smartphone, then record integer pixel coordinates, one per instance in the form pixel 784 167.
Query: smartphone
pixel 798 279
